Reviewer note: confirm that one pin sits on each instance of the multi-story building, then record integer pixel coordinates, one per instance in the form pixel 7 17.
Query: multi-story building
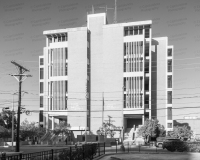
pixel 115 70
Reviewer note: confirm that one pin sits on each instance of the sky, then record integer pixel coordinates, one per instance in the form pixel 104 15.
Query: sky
pixel 22 23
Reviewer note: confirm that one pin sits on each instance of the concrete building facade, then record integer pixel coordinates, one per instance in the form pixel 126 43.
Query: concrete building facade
pixel 89 74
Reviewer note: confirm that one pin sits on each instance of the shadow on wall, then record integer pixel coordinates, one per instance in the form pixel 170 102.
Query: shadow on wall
pixel 181 124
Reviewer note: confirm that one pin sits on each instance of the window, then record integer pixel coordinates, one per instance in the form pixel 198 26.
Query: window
pixel 66 87
pixel 41 101
pixel 169 113
pixel 169 125
pixel 41 116
pixel 124 49
pixel 130 30
pixel 66 98
pixel 169 52
pixel 147 49
pixel 66 66
pixel 135 30
pixel 126 31
pixel 41 87
pixel 41 73
pixel 169 97
pixel 169 81
pixel 140 30
pixel 147 31
pixel 169 65
pixel 41 61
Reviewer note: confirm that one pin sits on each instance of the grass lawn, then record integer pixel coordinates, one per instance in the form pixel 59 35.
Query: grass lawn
pixel 168 156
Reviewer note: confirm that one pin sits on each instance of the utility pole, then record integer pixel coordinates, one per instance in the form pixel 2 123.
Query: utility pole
pixel 86 97
pixel 103 110
pixel 20 77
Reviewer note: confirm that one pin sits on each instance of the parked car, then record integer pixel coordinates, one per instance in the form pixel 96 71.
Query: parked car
pixel 159 141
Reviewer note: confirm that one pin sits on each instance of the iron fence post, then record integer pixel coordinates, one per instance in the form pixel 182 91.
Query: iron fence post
pixel 128 147
pixel 3 155
pixel 104 148
pixel 20 156
pixel 83 151
pixel 99 148
pixel 70 153
pixel 52 153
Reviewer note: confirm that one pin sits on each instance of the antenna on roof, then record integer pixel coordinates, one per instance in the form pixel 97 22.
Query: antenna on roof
pixel 115 14
pixel 92 9
pixel 115 11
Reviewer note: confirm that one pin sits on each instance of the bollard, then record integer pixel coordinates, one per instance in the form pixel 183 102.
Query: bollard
pixel 3 155
pixel 52 153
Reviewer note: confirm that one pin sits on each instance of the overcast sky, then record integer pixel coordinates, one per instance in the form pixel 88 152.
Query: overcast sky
pixel 22 23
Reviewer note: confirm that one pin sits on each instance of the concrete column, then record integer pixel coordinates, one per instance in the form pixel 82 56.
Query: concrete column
pixel 142 119
pixel 53 122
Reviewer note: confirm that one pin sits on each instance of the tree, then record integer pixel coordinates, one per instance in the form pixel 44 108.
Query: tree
pixel 62 128
pixel 30 130
pixel 151 129
pixel 4 133
pixel 107 129
pixel 6 120
pixel 181 132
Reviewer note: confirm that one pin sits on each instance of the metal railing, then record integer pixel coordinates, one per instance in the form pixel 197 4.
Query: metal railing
pixel 82 152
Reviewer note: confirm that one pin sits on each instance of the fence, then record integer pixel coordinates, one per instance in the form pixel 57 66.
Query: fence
pixel 83 152
pixel 130 147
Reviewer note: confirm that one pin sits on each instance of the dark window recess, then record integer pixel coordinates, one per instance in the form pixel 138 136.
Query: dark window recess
pixel 41 87
pixel 124 100
pixel 169 125
pixel 146 49
pixel 169 52
pixel 169 81
pixel 169 97
pixel 124 49
pixel 66 53
pixel 130 30
pixel 140 30
pixel 66 98
pixel 147 87
pixel 51 103
pixel 169 113
pixel 169 65
pixel 66 68
pixel 41 116
pixel 41 61
pixel 135 30
pixel 126 31
pixel 41 73
pixel 147 33
pixel 124 65
pixel 66 87
pixel 41 101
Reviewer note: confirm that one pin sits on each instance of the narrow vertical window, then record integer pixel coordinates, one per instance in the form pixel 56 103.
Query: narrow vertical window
pixel 140 30
pixel 66 87
pixel 41 101
pixel 126 31
pixel 130 30
pixel 169 65
pixel 41 116
pixel 41 87
pixel 66 68
pixel 169 97
pixel 41 61
pixel 169 80
pixel 135 30
pixel 41 73
pixel 169 113
pixel 169 53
